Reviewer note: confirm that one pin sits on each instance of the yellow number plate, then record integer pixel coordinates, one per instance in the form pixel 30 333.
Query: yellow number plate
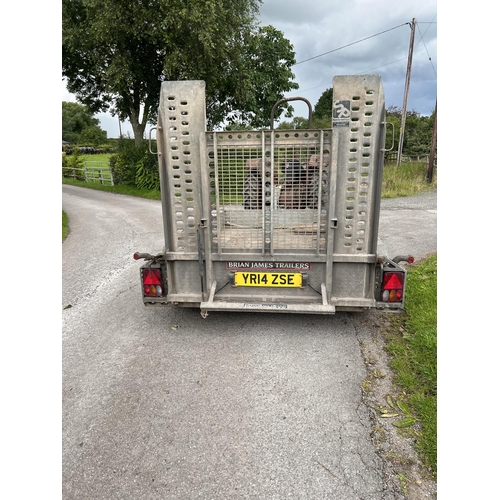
pixel 244 278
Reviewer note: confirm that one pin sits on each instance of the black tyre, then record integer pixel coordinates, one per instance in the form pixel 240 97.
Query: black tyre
pixel 252 191
pixel 312 191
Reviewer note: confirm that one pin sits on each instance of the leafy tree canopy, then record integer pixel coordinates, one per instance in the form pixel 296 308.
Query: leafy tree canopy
pixel 323 108
pixel 79 125
pixel 297 122
pixel 93 136
pixel 417 133
pixel 116 53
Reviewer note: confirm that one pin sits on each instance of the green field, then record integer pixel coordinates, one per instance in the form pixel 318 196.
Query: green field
pixel 97 169
pixel 103 157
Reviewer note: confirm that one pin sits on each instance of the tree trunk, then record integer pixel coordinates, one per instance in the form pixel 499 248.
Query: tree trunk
pixel 138 128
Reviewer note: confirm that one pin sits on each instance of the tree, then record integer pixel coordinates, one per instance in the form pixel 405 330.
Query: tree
pixel 418 131
pixel 93 136
pixel 323 108
pixel 298 122
pixel 116 53
pixel 79 125
pixel 418 134
pixel 262 79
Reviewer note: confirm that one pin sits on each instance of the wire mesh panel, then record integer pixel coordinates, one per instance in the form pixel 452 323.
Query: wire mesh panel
pixel 268 190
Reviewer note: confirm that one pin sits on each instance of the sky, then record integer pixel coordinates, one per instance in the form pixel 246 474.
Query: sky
pixel 335 37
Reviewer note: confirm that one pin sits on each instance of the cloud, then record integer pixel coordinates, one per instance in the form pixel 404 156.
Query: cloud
pixel 360 37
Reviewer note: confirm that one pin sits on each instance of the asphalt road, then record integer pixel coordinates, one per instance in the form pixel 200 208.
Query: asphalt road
pixel 409 225
pixel 162 404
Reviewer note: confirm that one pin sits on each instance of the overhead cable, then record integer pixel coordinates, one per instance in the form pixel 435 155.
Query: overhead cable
pixel 425 46
pixel 349 44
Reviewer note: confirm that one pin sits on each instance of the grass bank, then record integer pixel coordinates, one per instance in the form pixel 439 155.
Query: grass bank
pixel 412 345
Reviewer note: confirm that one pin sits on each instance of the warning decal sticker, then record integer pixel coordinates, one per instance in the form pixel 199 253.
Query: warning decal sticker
pixel 341 113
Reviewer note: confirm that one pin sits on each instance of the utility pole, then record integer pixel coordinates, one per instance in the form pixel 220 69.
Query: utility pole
pixel 407 89
pixel 430 167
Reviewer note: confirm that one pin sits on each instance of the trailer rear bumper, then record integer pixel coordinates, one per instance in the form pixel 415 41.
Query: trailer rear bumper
pixel 322 307
pixel 266 307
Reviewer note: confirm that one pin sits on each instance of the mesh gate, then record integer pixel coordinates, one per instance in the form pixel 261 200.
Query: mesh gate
pixel 268 190
pixel 271 192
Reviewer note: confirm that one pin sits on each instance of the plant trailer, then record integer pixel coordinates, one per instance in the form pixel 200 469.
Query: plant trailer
pixel 273 220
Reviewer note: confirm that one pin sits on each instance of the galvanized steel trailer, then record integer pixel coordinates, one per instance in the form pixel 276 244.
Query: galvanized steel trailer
pixel 273 220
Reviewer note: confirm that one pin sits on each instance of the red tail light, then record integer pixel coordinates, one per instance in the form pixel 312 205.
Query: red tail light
pixel 152 282
pixel 393 286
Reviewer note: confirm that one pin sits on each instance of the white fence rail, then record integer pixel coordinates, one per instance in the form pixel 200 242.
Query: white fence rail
pixel 423 158
pixel 92 171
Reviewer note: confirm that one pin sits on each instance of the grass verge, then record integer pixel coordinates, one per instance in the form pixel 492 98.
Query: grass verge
pixel 120 189
pixel 64 225
pixel 406 180
pixel 412 345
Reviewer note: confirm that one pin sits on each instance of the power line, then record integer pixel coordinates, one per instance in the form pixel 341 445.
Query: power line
pixel 359 73
pixel 363 39
pixel 425 46
pixel 349 44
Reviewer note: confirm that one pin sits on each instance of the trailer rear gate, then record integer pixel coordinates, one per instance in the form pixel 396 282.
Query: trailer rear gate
pixel 303 203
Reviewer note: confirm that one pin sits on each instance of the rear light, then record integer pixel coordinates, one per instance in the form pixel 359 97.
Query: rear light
pixel 393 286
pixel 152 282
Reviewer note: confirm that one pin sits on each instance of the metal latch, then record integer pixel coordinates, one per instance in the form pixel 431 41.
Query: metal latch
pixel 392 124
pixel 149 142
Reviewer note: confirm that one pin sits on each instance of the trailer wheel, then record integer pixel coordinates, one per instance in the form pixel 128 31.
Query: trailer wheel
pixel 312 191
pixel 252 191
